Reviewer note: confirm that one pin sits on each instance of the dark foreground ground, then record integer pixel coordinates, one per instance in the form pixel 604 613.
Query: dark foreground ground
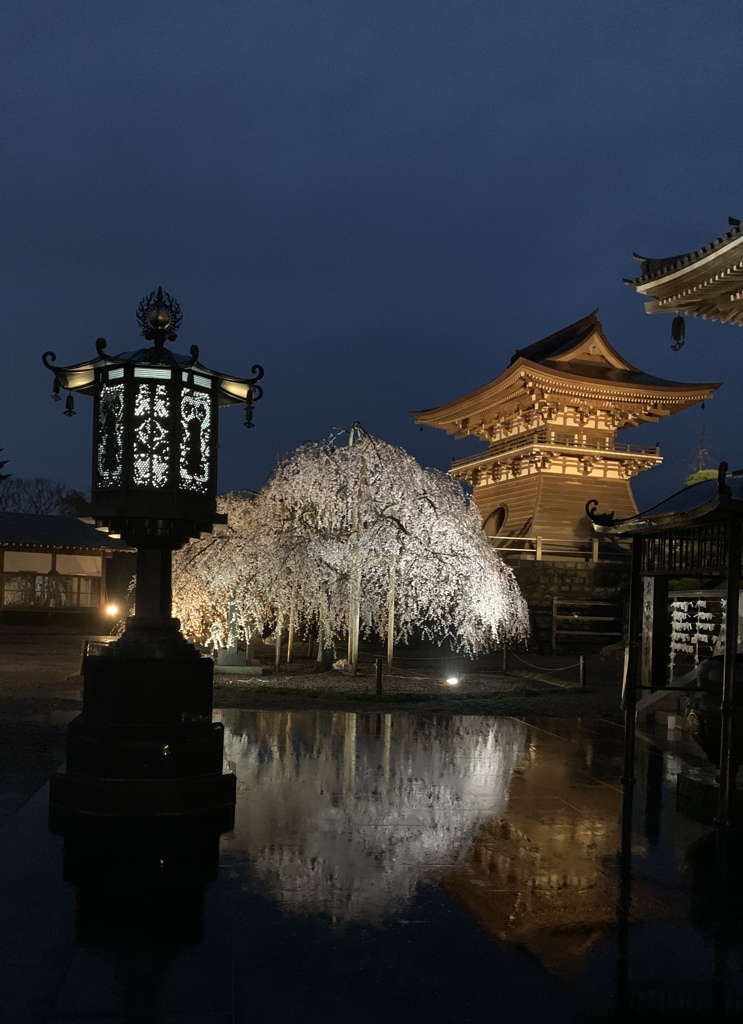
pixel 40 691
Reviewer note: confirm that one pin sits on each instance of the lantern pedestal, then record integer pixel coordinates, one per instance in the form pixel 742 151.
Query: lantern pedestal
pixel 145 744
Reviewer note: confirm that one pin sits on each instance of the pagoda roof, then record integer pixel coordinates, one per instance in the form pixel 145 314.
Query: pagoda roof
pixel 577 361
pixel 563 341
pixel 705 282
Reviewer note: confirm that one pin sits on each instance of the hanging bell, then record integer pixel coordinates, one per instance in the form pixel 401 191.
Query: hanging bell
pixel 55 390
pixel 69 406
pixel 678 332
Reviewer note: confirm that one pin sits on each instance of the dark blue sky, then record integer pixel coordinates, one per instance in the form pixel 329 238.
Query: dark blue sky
pixel 378 201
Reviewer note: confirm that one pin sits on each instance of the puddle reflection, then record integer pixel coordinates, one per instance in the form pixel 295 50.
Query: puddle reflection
pixel 403 867
pixel 345 814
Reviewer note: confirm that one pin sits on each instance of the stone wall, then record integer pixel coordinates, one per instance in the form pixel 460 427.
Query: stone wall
pixel 569 581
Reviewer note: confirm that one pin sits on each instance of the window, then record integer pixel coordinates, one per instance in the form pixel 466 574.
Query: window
pixel 495 521
pixel 50 590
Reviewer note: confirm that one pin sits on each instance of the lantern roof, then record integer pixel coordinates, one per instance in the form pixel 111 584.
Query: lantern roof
pixel 159 316
pixel 81 377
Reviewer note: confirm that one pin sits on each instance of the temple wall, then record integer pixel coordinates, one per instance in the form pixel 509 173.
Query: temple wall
pixel 561 506
pixel 519 496
pixel 551 506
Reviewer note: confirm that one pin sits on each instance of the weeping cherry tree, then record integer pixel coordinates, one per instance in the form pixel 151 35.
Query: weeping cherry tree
pixel 351 536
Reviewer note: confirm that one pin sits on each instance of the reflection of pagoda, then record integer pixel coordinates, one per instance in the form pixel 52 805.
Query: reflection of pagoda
pixel 550 421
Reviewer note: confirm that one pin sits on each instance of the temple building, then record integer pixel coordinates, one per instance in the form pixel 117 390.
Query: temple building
pixel 550 422
pixel 706 282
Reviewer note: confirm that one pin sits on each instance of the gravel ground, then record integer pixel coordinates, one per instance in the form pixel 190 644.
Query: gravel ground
pixel 490 693
pixel 40 691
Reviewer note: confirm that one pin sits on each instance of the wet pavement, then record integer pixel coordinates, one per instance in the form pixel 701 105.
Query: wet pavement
pixel 384 868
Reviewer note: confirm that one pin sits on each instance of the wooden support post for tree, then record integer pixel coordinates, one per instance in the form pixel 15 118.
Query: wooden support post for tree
pixel 504 652
pixel 582 671
pixel 354 616
pixel 319 638
pixel 277 635
pixel 378 675
pixel 391 619
pixel 354 619
pixel 292 615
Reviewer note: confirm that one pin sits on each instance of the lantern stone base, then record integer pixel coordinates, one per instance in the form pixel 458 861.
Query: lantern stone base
pixel 145 745
pixel 210 799
pixel 139 884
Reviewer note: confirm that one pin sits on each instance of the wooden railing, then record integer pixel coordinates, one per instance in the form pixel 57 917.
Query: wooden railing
pixel 582 620
pixel 540 547
pixel 518 444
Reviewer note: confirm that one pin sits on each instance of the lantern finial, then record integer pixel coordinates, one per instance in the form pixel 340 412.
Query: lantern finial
pixel 159 317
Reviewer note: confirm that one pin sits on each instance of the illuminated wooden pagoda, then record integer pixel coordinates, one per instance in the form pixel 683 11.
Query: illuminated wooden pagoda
pixel 706 282
pixel 550 421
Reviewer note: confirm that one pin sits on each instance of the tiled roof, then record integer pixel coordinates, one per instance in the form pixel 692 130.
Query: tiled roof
pixel 20 528
pixel 685 506
pixel 561 341
pixel 655 268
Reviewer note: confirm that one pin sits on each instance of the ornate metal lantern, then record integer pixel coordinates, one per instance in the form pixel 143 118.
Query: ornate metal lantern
pixel 155 429
pixel 145 744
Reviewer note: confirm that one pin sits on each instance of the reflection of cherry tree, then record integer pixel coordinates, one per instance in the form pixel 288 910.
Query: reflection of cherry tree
pixel 344 814
pixel 352 538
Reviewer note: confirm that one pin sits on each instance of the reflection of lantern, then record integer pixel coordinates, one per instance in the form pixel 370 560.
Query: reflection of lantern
pixel 145 741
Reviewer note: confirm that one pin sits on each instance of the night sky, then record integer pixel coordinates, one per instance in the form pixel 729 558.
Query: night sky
pixel 377 201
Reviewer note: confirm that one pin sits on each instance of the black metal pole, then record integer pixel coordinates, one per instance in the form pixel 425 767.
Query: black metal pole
pixel 729 706
pixel 629 689
pixel 629 703
pixel 378 675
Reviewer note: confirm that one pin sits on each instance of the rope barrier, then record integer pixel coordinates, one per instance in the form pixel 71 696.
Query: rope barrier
pixel 415 659
pixel 541 668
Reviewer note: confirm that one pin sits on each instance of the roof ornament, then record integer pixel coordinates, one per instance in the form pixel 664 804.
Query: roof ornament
pixel 159 316
pixel 678 332
pixel 600 518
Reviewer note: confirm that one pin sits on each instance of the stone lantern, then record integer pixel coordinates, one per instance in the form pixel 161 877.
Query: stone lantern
pixel 145 743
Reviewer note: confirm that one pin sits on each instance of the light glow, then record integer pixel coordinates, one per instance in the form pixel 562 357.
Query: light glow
pixel 151 462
